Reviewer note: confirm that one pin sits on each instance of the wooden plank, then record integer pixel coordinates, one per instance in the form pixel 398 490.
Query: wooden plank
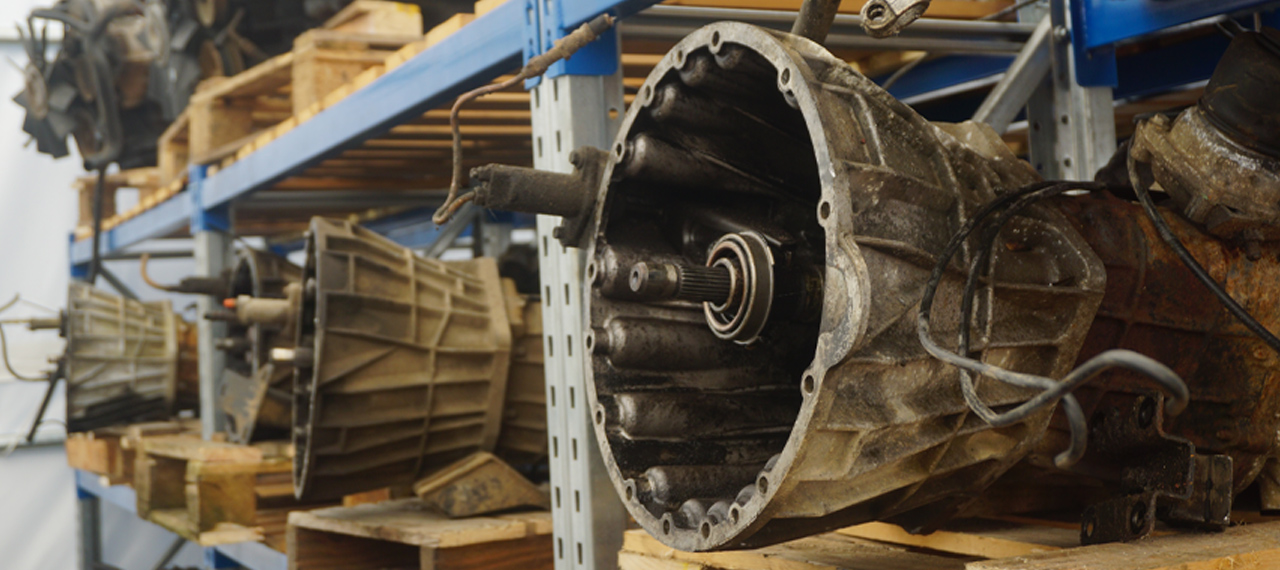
pixel 98 454
pixel 265 78
pixel 220 492
pixel 311 549
pixel 174 149
pixel 485 6
pixel 822 552
pixel 178 521
pixel 192 449
pixel 376 17
pixel 410 521
pixel 1246 547
pixel 529 553
pixel 448 27
pixel 972 542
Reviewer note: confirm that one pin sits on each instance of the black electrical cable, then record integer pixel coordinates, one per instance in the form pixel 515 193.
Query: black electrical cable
pixel 95 262
pixel 1167 236
pixel 982 265
pixel 1053 390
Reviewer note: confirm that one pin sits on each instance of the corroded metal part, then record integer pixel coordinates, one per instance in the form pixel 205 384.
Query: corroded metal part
pixel 255 398
pixel 715 444
pixel 126 361
pixel 885 18
pixel 401 362
pixel 1154 305
pixel 1160 476
pixel 1220 160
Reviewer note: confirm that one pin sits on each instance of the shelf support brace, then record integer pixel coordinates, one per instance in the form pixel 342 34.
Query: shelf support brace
pixel 211 230
pixel 578 102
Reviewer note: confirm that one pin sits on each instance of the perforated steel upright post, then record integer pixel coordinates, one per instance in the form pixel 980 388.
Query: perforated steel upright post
pixel 572 110
pixel 211 233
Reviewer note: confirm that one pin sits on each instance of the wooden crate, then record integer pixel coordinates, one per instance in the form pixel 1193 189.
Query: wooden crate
pixel 174 150
pixel 226 114
pixel 405 533
pixel 985 544
pixel 145 180
pixel 109 452
pixel 213 492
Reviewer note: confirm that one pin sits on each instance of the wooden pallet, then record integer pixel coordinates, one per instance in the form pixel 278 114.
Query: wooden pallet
pixel 147 181
pixel 405 533
pixel 228 113
pixel 985 544
pixel 109 452
pixel 215 492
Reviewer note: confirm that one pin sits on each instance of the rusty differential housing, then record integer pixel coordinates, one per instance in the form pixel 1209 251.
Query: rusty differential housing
pixel 126 361
pixel 761 239
pixel 404 364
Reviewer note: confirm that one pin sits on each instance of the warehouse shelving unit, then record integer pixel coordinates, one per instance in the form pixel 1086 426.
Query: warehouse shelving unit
pixel 581 102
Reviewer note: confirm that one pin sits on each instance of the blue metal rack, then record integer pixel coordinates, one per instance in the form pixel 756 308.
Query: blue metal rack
pixel 500 40
pixel 253 555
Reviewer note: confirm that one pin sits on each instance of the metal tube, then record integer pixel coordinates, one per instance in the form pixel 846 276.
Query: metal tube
pixel 815 19
pixel 1023 77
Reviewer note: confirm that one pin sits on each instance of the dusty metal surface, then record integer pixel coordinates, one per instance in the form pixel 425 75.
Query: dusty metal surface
pixel 1154 305
pixel 401 362
pixel 256 390
pixel 124 70
pixel 125 361
pixel 478 484
pixel 819 420
pixel 522 440
pixel 1158 475
pixel 1220 160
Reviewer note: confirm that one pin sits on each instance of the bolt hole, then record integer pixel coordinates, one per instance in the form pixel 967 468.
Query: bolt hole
pixel 1065 119
pixel 876 11
pixel 786 76
pixel 808 384
pixel 706 530
pixel 763 485
pixel 617 151
pixel 824 210
pixel 591 341
pixel 1090 526
pixel 1146 412
pixel 591 271
pixel 1137 517
pixel 715 38
pixel 666 526
pixel 679 56
pixel 648 94
pixel 630 491
pixel 600 420
pixel 1066 162
pixel 735 514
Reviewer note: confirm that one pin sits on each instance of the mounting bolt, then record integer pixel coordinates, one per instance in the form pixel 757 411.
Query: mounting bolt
pixel 1061 33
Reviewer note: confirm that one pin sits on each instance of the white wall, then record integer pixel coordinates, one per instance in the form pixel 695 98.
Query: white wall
pixel 38 524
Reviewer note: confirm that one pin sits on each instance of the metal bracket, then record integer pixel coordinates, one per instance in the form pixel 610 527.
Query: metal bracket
pixel 1026 73
pixel 1101 24
pixel 217 219
pixel 1160 475
pixel 544 24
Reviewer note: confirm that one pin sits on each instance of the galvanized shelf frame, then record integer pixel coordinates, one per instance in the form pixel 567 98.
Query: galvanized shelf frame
pixel 588 515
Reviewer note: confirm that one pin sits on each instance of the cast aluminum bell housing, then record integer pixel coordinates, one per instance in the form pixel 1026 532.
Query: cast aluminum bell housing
pixel 827 419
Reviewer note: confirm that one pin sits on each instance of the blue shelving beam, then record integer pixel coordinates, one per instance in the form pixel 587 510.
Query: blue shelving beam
pixel 251 555
pixel 493 44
